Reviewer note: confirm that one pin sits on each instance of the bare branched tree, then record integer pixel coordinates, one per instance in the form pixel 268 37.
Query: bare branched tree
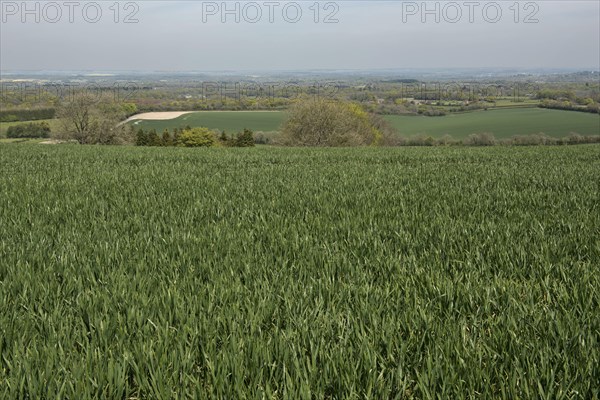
pixel 90 119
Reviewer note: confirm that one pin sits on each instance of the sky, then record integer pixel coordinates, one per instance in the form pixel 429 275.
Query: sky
pixel 154 35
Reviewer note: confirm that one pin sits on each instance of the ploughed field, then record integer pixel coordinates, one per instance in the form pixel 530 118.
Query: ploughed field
pixel 229 121
pixel 130 272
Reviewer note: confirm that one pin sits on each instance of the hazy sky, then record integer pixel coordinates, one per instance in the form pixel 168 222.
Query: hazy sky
pixel 191 35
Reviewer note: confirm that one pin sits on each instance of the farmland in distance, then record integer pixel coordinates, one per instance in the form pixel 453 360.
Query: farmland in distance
pixel 503 123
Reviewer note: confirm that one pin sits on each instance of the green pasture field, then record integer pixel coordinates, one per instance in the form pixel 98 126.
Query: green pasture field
pixel 286 273
pixel 510 103
pixel 230 121
pixel 503 123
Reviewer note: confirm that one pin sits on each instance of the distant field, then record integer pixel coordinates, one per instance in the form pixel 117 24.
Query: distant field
pixel 230 121
pixel 502 123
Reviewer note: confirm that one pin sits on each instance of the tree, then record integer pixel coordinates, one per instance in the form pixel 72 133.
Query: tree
pixel 323 122
pixel 167 140
pixel 92 120
pixel 197 137
pixel 77 117
pixel 153 138
pixel 176 133
pixel 129 109
pixel 223 138
pixel 244 139
pixel 141 138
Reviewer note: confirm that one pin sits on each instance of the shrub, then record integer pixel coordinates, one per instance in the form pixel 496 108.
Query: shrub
pixel 395 140
pixel 30 130
pixel 593 108
pixel 533 140
pixel 575 138
pixel 446 140
pixel 420 140
pixel 480 139
pixel 197 137
pixel 262 139
pixel 432 112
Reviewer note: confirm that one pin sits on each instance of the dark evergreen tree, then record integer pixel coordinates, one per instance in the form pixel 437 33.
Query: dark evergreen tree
pixel 153 138
pixel 245 139
pixel 223 138
pixel 141 138
pixel 167 140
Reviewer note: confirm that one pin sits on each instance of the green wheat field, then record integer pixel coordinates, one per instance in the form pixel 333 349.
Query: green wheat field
pixel 279 273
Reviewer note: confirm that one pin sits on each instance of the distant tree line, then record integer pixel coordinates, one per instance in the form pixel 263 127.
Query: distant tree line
pixel 27 115
pixel 592 107
pixel 194 137
pixel 568 100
